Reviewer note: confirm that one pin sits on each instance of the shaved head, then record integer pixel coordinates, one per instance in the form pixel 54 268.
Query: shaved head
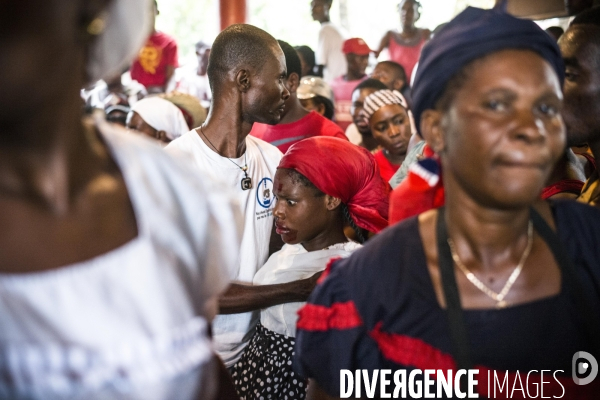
pixel 240 46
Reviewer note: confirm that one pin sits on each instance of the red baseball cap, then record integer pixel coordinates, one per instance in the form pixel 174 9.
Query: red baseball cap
pixel 356 46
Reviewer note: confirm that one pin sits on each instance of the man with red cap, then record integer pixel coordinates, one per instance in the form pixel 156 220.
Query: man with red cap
pixel 357 57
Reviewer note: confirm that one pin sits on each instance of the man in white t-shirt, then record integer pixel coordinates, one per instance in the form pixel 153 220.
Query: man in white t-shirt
pixel 246 72
pixel 329 57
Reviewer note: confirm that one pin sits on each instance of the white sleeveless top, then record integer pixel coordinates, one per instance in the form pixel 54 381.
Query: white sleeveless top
pixel 289 264
pixel 130 323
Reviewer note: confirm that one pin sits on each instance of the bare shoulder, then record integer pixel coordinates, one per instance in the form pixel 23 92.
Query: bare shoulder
pixel 388 35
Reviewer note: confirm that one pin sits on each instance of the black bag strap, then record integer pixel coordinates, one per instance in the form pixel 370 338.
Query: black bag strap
pixel 458 329
pixel 569 274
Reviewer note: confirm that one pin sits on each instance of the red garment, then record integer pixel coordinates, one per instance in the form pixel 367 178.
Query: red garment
pixel 343 170
pixel 386 168
pixel 407 56
pixel 150 67
pixel 342 93
pixel 565 186
pixel 422 190
pixel 283 136
pixel 589 158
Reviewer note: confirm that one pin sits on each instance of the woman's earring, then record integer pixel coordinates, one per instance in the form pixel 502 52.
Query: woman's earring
pixel 97 26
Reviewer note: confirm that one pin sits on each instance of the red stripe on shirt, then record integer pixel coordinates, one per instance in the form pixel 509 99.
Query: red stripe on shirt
pixel 327 269
pixel 418 354
pixel 314 317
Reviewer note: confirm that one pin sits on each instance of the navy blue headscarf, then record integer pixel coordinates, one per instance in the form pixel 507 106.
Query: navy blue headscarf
pixel 473 34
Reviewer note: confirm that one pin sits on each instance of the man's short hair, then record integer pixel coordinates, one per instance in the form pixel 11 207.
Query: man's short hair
pixel 238 46
pixel 588 17
pixel 370 83
pixel 292 61
pixel 397 68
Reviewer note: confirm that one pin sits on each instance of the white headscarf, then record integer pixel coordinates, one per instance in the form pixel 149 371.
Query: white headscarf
pixel 127 27
pixel 162 115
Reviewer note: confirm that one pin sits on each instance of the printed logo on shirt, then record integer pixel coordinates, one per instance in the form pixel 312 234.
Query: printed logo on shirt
pixel 149 58
pixel 264 193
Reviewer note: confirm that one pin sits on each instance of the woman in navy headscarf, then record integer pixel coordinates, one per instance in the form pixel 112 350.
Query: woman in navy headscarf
pixel 497 280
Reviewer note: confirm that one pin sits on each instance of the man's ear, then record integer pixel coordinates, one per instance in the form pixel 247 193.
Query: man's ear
pixel 321 109
pixel 332 202
pixel 292 82
pixel 432 130
pixel 92 16
pixel 162 136
pixel 242 80
pixel 398 84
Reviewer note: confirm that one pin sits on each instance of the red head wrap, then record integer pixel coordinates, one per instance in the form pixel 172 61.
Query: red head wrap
pixel 343 170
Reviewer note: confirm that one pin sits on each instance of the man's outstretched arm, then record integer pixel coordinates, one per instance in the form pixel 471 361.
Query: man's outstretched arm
pixel 239 298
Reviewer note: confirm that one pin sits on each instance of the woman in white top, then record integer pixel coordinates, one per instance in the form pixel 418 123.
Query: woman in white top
pixel 321 183
pixel 111 258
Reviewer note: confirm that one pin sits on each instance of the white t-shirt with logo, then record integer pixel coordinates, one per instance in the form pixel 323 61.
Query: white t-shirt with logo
pixel 232 332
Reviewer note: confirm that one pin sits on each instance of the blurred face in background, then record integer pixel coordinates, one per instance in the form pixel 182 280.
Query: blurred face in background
pixel 320 10
pixel 358 103
pixel 202 55
pixel 357 64
pixel 580 47
pixel 386 75
pixel 409 13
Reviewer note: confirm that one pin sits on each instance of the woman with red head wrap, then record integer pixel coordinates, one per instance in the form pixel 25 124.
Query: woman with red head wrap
pixel 320 182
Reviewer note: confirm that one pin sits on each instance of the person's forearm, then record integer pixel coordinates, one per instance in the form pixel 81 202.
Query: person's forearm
pixel 240 298
pixel 383 43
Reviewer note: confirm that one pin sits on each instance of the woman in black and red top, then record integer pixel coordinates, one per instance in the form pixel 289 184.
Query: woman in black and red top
pixel 496 280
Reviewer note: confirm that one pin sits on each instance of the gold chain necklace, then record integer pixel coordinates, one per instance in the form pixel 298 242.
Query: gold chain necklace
pixel 498 297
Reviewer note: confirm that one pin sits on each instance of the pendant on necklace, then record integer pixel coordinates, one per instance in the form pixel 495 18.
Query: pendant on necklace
pixel 501 304
pixel 246 183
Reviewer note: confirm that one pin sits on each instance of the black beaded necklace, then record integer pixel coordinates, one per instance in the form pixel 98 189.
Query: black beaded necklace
pixel 246 181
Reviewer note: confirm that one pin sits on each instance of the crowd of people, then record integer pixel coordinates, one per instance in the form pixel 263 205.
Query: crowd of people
pixel 254 226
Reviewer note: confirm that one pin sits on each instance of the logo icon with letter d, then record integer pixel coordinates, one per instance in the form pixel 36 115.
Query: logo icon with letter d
pixel 585 368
